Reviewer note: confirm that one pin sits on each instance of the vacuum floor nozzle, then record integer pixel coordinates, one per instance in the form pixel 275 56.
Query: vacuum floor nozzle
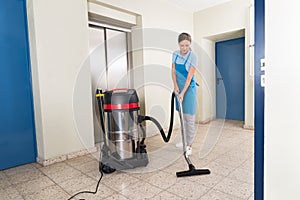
pixel 193 172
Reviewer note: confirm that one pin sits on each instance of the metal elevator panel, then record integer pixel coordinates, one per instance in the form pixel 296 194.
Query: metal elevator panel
pixel 108 64
pixel 117 59
pixel 98 71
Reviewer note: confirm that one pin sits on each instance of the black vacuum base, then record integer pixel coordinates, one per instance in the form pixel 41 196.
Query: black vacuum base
pixel 109 164
pixel 193 172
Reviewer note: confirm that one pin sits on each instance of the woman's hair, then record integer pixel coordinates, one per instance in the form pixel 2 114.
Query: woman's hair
pixel 184 36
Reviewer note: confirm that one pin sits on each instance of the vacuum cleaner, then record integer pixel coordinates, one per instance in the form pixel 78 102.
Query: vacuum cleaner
pixel 124 136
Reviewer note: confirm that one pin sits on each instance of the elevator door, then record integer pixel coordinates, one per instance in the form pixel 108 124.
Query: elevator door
pixel 109 64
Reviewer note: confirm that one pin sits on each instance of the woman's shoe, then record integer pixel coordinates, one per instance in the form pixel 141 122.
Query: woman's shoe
pixel 188 151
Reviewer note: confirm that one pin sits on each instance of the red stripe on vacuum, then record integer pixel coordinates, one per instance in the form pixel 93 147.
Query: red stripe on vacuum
pixel 121 106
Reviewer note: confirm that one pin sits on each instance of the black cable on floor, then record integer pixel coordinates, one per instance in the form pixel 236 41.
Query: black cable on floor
pixel 89 192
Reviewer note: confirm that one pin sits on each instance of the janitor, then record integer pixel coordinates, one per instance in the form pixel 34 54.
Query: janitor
pixel 184 63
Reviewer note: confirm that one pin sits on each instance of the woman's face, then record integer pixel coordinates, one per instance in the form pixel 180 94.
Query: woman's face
pixel 184 46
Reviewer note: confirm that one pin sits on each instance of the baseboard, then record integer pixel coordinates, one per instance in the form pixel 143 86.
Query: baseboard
pixel 206 121
pixel 249 127
pixel 50 161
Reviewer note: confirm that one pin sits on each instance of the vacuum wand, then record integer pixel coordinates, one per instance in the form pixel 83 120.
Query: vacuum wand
pixel 192 170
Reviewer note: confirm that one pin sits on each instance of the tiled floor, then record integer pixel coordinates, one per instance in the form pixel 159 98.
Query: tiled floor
pixel 225 148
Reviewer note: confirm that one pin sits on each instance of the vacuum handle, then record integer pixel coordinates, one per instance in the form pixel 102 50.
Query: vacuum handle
pixel 183 134
pixel 99 97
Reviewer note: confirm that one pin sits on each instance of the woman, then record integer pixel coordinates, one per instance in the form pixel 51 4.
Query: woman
pixel 184 64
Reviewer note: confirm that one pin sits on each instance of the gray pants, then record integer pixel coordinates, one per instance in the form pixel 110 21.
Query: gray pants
pixel 189 128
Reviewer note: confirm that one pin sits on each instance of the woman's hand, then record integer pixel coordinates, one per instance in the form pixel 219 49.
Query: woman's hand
pixel 176 89
pixel 181 96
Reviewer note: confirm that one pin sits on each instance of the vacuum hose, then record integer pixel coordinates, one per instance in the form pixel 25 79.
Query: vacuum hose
pixel 165 138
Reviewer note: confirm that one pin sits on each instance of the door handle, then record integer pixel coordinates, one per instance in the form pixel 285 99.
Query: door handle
pixel 219 79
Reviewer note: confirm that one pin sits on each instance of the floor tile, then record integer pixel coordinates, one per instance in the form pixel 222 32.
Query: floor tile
pixel 63 174
pixel 140 190
pixel 213 154
pixel 53 192
pixel 95 174
pixel 240 152
pixel 23 177
pixel 142 175
pixel 33 186
pixel 162 180
pixel 220 168
pixel 200 162
pixel 95 155
pixel 165 195
pixel 54 168
pixel 119 181
pixel 102 193
pixel 251 198
pixel 147 169
pixel 2 175
pixel 248 164
pixel 230 142
pixel 217 195
pixel 243 175
pixel 4 182
pixel 19 170
pixel 116 196
pixel 161 162
pixel 231 160
pixel 77 183
pixel 22 174
pixel 88 166
pixel 245 135
pixel 209 180
pixel 10 193
pixel 248 144
pixel 179 165
pixel 188 189
pixel 169 152
pixel 235 188
pixel 36 165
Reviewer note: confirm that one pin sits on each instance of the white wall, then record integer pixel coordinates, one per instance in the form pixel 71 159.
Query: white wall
pixel 218 20
pixel 282 97
pixel 58 46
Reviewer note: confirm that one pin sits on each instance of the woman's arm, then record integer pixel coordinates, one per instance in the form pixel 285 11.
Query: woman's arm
pixel 187 82
pixel 176 88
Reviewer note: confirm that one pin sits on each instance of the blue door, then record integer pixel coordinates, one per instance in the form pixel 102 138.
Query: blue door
pixel 230 79
pixel 17 131
pixel 259 100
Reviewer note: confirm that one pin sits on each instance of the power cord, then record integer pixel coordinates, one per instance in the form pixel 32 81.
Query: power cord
pixel 89 192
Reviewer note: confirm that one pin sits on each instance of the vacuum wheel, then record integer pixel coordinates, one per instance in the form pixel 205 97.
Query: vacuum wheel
pixel 106 169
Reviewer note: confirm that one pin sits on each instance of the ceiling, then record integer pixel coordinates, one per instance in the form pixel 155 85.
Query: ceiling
pixel 196 5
